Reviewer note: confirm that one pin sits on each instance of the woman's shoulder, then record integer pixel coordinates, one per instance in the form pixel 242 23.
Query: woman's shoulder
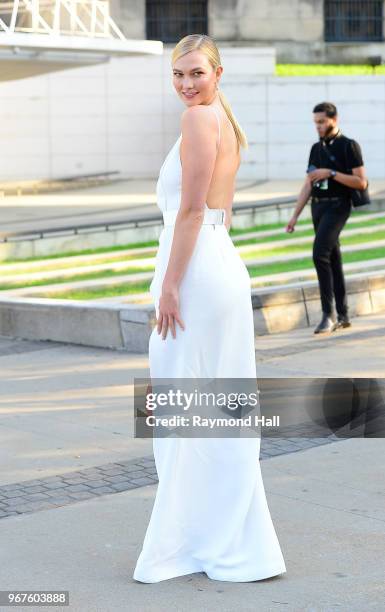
pixel 199 114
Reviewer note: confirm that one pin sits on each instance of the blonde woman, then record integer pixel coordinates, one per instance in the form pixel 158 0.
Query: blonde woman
pixel 210 512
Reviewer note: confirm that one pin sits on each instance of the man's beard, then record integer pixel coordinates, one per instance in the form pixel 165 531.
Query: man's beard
pixel 328 132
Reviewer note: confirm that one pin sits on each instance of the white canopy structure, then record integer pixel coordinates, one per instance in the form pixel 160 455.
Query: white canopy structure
pixel 40 36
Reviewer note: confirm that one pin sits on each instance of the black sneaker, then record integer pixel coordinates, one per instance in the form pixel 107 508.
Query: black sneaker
pixel 342 321
pixel 326 324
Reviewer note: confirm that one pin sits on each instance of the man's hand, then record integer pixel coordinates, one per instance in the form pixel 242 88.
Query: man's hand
pixel 291 224
pixel 319 174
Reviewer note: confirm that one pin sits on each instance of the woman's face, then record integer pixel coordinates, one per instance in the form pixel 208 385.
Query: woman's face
pixel 194 78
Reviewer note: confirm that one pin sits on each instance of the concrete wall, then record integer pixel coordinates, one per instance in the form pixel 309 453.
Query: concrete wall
pixel 125 116
pixel 130 16
pixel 297 20
pixel 289 129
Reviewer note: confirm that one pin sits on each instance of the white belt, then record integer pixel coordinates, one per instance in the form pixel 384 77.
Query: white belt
pixel 212 216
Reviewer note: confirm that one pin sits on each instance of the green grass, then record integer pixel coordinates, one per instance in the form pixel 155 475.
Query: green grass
pixel 106 249
pixel 310 232
pixel 251 254
pixel 295 248
pixel 150 243
pixel 263 239
pixel 129 288
pixel 272 226
pixel 92 294
pixel 326 69
pixel 234 232
pixel 306 263
pixel 66 266
pixel 105 274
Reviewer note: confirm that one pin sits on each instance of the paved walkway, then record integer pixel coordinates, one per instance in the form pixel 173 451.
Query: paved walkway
pixel 76 489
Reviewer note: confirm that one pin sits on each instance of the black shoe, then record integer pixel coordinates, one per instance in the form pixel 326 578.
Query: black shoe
pixel 326 325
pixel 342 321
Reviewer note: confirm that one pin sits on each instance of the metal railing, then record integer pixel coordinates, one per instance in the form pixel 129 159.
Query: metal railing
pixel 140 220
pixel 89 18
pixel 353 20
pixel 80 181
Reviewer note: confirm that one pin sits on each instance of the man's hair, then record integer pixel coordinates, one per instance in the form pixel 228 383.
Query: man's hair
pixel 326 107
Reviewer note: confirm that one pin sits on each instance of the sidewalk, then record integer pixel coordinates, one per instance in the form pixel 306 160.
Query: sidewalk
pixel 67 409
pixel 328 516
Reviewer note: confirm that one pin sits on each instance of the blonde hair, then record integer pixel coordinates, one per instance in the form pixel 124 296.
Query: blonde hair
pixel 206 45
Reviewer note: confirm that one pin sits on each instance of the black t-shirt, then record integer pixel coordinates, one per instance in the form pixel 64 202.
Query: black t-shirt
pixel 347 154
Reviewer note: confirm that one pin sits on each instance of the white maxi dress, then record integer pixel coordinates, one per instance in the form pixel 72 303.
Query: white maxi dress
pixel 210 512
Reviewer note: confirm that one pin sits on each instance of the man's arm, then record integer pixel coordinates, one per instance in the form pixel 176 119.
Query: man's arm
pixel 357 180
pixel 302 199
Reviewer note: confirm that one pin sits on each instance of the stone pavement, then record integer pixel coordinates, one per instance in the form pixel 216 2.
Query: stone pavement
pixel 76 489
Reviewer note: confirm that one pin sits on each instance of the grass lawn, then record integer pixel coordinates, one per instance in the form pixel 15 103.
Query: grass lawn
pixel 71 264
pixel 75 277
pixel 304 263
pixel 92 294
pixel 295 248
pixel 307 262
pixel 304 233
pixel 107 249
pixel 233 233
pixel 326 69
pixel 251 254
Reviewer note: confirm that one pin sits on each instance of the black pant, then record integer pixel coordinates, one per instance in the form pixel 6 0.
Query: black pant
pixel 329 217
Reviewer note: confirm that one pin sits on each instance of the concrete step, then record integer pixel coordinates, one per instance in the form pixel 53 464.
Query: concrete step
pixel 308 226
pixel 84 284
pixel 47 274
pixel 74 260
pixel 90 259
pixel 284 278
pixel 260 261
pixel 280 278
pixel 150 262
pixel 304 239
pixel 128 326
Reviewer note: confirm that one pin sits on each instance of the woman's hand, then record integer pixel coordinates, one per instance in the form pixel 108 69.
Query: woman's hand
pixel 169 311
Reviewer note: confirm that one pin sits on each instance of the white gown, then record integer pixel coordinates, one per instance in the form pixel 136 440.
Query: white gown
pixel 210 512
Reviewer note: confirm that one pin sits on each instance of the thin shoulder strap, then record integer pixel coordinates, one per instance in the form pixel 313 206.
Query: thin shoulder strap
pixel 219 124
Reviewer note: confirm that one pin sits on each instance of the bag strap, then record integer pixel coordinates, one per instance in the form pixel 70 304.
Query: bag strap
pixel 338 167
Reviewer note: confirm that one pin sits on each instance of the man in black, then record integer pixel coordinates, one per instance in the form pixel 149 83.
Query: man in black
pixel 335 166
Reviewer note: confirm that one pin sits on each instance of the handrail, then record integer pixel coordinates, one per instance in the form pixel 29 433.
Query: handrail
pixel 143 220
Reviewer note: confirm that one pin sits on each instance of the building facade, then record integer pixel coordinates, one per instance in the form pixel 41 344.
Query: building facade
pixel 313 31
